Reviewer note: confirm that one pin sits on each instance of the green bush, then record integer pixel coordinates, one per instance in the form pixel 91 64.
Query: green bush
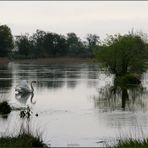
pixel 131 143
pixel 128 79
pixel 5 108
pixel 22 140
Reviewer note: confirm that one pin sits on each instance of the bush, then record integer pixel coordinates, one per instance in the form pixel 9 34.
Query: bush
pixel 22 140
pixel 122 54
pixel 131 143
pixel 5 108
pixel 128 79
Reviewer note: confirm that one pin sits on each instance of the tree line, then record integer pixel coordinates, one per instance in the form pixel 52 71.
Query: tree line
pixel 45 44
pixel 120 53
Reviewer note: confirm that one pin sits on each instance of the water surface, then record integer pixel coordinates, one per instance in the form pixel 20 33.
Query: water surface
pixel 74 104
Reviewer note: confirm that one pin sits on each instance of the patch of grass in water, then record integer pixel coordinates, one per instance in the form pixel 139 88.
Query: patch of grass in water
pixel 22 140
pixel 5 108
pixel 132 143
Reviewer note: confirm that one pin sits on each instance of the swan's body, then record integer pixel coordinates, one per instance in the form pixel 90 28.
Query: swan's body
pixel 23 87
pixel 23 97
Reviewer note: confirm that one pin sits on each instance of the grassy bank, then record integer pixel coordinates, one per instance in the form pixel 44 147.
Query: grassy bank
pixel 4 60
pixel 25 138
pixel 22 140
pixel 132 143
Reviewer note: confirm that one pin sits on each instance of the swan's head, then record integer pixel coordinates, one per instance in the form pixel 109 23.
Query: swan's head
pixel 33 82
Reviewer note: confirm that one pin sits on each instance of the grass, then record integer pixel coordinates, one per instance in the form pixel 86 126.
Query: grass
pixel 132 143
pixel 24 139
pixel 5 108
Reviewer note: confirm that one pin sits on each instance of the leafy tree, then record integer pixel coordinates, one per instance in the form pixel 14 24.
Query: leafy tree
pixel 93 40
pixel 55 44
pixel 75 45
pixel 122 54
pixel 24 45
pixel 38 41
pixel 60 45
pixel 6 40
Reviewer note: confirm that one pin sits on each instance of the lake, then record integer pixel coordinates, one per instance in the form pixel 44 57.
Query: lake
pixel 74 104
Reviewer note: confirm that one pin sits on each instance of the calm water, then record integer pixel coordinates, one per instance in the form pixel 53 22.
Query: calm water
pixel 77 105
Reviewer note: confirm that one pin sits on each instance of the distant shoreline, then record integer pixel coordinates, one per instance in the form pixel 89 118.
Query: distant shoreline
pixel 57 60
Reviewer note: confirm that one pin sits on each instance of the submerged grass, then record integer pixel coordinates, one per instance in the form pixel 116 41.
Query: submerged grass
pixel 132 143
pixel 136 139
pixel 5 108
pixel 24 139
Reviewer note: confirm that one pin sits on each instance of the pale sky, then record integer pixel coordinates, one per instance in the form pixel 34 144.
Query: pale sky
pixel 81 17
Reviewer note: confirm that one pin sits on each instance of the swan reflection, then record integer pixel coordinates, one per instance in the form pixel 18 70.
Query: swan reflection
pixel 23 97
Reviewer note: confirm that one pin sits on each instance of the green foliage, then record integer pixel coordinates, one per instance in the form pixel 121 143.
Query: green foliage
pixel 122 54
pixel 24 44
pixel 128 79
pixel 5 108
pixel 47 44
pixel 130 143
pixel 22 140
pixel 74 45
pixel 6 40
pixel 93 40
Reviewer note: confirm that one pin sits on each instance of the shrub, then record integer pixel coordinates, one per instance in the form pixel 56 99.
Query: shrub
pixel 5 108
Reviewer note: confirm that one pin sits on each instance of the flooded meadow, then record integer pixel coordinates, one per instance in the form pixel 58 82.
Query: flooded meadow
pixel 73 104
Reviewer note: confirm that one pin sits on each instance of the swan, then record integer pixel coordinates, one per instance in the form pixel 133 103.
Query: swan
pixel 23 97
pixel 24 87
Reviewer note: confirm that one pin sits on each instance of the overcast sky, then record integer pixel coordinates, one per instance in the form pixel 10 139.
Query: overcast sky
pixel 81 17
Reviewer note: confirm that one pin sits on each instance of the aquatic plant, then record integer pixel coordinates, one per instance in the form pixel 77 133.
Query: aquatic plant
pixel 5 108
pixel 24 139
pixel 132 143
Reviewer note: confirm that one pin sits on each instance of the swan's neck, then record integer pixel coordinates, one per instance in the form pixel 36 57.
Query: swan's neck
pixel 32 89
pixel 32 95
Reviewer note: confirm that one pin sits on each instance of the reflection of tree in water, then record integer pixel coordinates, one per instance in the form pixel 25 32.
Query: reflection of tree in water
pixel 5 78
pixel 50 84
pixel 72 77
pixel 56 75
pixel 129 98
pixel 92 71
pixel 92 75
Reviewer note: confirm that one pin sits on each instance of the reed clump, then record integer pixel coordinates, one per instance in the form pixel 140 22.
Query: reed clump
pixel 23 139
pixel 5 108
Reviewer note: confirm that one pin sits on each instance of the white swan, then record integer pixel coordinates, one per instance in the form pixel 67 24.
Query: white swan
pixel 23 97
pixel 23 87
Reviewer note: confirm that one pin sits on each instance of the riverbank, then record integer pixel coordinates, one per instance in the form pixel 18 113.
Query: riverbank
pixel 24 139
pixel 4 60
pixel 59 60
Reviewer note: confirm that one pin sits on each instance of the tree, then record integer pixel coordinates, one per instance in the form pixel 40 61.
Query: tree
pixel 6 40
pixel 122 54
pixel 75 45
pixel 93 40
pixel 55 44
pixel 24 45
pixel 38 41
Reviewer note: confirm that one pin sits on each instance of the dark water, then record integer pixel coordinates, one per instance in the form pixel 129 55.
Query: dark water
pixel 77 105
